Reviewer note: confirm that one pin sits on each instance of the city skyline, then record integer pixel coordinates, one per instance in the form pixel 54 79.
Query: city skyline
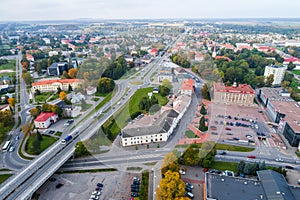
pixel 128 9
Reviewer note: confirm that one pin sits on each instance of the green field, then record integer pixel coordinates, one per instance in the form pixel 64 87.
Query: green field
pixel 190 134
pixel 45 143
pixel 3 177
pixel 94 144
pixel 297 72
pixel 220 147
pixel 42 97
pixel 10 65
pixel 225 166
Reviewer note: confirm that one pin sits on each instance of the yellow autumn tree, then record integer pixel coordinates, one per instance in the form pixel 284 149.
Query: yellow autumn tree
pixel 62 95
pixel 12 102
pixel 170 187
pixel 73 72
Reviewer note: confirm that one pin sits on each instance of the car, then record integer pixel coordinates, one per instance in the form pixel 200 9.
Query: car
pixel 242 175
pixel 214 133
pixel 97 193
pixel 228 133
pixel 136 182
pixel 212 171
pixel 219 172
pixel 98 188
pixel 17 137
pixel 213 128
pixel 189 185
pixel 188 189
pixel 59 185
pixel 134 190
pixel 66 124
pixel 251 157
pixel 134 186
pixel 94 197
pixel 134 194
pixel 228 129
pixel 222 153
pixel 289 167
pixel 189 194
pixel 235 138
pixel 136 178
pixel 70 121
pixel 99 184
pixel 278 160
pixel 205 169
pixel 182 172
pixel 11 149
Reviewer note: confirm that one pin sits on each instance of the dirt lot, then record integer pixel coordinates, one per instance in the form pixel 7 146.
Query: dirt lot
pixel 292 177
pixel 81 186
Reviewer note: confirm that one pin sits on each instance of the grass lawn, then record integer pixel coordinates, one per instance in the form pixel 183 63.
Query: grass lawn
pixel 123 116
pixel 95 99
pixel 190 134
pixel 42 97
pixel 58 133
pixel 55 96
pixel 10 65
pixel 297 72
pixel 96 141
pixel 233 148
pixel 3 177
pixel 225 166
pixel 86 108
pixel 144 186
pixel 136 83
pixel 45 143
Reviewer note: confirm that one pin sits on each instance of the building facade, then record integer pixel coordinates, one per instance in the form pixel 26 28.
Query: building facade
pixel 44 120
pixel 277 71
pixel 52 85
pixel 241 95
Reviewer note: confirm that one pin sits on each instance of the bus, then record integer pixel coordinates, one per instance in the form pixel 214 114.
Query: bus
pixel 6 146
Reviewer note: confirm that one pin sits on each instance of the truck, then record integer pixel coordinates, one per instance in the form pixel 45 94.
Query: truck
pixel 67 139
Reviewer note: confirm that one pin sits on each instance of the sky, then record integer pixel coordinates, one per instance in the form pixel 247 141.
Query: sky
pixel 20 10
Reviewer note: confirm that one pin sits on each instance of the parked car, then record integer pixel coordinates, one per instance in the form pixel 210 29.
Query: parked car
pixel 134 194
pixel 189 185
pixel 182 172
pixel 278 160
pixel 136 178
pixel 96 193
pixel 228 129
pixel 289 167
pixel 222 153
pixel 134 190
pixel 11 149
pixel 205 169
pixel 188 189
pixel 99 184
pixel 136 182
pixel 189 194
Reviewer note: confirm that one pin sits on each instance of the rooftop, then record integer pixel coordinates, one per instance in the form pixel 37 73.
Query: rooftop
pixel 44 116
pixel 241 88
pixel 187 84
pixel 273 94
pixel 62 81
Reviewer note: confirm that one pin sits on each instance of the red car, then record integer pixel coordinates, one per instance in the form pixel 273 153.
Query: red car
pixel 205 169
pixel 228 129
pixel 251 156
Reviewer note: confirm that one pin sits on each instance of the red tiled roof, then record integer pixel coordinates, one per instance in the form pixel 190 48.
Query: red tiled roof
pixel 44 116
pixel 48 82
pixel 292 59
pixel 223 57
pixel 187 84
pixel 242 88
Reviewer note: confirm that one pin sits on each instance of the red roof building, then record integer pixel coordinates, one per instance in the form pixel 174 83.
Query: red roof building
pixel 242 94
pixel 52 85
pixel 44 120
pixel 154 52
pixel 187 87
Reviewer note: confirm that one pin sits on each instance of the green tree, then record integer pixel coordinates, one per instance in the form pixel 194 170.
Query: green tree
pixel 105 85
pixel 83 104
pixel 270 80
pixel 38 135
pixel 191 156
pixel 205 92
pixel 241 166
pixel 81 150
pixel 291 66
pixel 166 83
pixel 163 90
pixel 203 110
pixel 202 126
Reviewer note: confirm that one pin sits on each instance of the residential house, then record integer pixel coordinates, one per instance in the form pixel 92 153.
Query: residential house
pixel 187 87
pixel 76 98
pixel 44 120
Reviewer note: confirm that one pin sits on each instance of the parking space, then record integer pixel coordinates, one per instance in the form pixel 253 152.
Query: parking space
pixel 116 186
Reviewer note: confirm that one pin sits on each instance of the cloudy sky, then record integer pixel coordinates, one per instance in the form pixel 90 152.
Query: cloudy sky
pixel 11 10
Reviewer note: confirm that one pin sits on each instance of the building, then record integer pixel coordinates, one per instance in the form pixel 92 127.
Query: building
pixel 52 85
pixel 77 98
pixel 187 87
pixel 5 108
pixel 277 71
pixel 283 110
pixel 294 60
pixel 44 120
pixel 57 69
pixel 91 90
pixel 242 94
pixel 69 110
pixel 269 186
pixel 156 129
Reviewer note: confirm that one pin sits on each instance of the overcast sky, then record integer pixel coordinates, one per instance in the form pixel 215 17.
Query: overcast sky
pixel 11 10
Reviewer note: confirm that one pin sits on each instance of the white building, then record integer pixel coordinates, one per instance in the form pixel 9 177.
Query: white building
pixel 277 71
pixel 44 120
pixel 52 85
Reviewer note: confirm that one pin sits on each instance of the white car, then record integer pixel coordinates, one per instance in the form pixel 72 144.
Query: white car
pixel 66 124
pixel 11 149
pixel 278 160
pixel 181 172
pixel 96 193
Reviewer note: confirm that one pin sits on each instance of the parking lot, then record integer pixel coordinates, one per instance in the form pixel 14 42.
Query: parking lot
pixel 237 124
pixel 116 186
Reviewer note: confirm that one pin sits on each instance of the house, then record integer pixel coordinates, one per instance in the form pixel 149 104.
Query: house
pixel 128 58
pixel 57 69
pixel 154 52
pixel 5 108
pixel 91 90
pixel 52 85
pixel 187 87
pixel 69 110
pixel 44 120
pixel 147 58
pixel 76 98
pixel 53 53
pixel 29 57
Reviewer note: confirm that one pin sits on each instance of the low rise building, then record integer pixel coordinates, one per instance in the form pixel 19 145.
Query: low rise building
pixel 44 120
pixel 242 94
pixel 57 69
pixel 269 186
pixel 52 85
pixel 187 87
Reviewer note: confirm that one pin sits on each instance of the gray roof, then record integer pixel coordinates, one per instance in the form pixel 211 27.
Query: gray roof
pixel 275 185
pixel 270 186
pixel 161 125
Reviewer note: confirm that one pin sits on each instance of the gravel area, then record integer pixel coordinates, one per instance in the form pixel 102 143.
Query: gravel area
pixel 80 186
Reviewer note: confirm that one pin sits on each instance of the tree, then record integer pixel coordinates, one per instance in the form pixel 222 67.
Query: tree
pixel 57 110
pixel 37 92
pixel 105 85
pixel 203 110
pixel 65 75
pixel 164 91
pixel 34 112
pixel 46 107
pixel 39 136
pixel 12 102
pixel 166 83
pixel 26 128
pixel 205 92
pixel 170 163
pixel 72 72
pixel 170 187
pixel 62 95
pixel 191 157
pixel 270 80
pixel 81 150
pixel 241 166
pixel 202 126
pixel 59 90
pixel 70 89
pixel 83 104
pixel 291 66
pixel 27 78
